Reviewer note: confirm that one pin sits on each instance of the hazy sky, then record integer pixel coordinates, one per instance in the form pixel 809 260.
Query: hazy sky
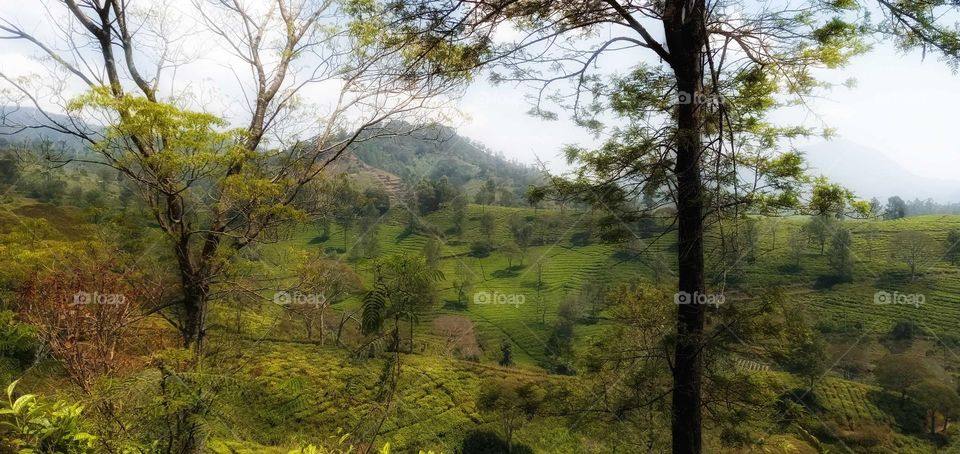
pixel 901 106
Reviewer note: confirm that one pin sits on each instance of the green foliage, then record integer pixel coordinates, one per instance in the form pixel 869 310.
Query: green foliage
pixel 403 289
pixel 804 350
pixel 937 398
pixel 896 208
pixel 820 229
pixel 841 258
pixel 487 224
pixel 28 425
pixel 514 404
pixel 18 344
pixel 952 247
pixel 506 353
pixel 898 373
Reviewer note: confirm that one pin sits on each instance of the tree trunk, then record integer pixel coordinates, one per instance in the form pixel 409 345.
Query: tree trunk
pixel 193 326
pixel 320 328
pixel 684 31
pixel 411 335
pixel 194 306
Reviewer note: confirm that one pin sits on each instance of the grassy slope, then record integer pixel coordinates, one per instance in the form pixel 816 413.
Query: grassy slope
pixel 449 385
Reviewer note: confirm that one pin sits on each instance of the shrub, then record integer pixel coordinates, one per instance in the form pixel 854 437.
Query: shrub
pixel 480 249
pixel 30 426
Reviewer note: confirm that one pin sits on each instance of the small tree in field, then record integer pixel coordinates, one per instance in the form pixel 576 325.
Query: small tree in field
pixel 915 249
pixel 796 244
pixel 937 398
pixel 841 259
pixel 512 253
pixel 803 352
pixel 322 282
pixel 820 229
pixel 952 247
pixel 514 404
pixel 487 222
pixel 506 353
pixel 898 373
pixel 463 283
pixel 404 288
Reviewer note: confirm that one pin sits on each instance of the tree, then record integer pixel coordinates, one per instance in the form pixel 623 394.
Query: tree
pixel 841 260
pixel 459 213
pixel 952 247
pixel 368 246
pixel 506 197
pixel 875 207
pixel 512 253
pixel 522 231
pixel 9 169
pixel 212 190
pixel 432 251
pixel 321 282
pixel 804 351
pixel 463 283
pixel 773 225
pixel 403 289
pixel 898 373
pixel 86 312
pixel 937 398
pixel 915 249
pixel 346 204
pixel 506 353
pixel 796 244
pixel 820 230
pixel 487 223
pixel 719 102
pixel 896 208
pixel 514 404
pixel 487 194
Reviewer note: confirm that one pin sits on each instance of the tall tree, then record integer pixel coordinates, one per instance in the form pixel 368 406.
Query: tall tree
pixel 896 208
pixel 213 190
pixel 696 101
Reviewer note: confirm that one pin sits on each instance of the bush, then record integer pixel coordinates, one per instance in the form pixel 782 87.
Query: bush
pixel 480 249
pixel 904 330
pixel 29 426
pixel 17 340
pixel 489 443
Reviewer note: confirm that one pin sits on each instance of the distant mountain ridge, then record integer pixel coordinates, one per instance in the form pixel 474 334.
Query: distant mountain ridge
pixel 871 173
pixel 395 161
pixel 437 152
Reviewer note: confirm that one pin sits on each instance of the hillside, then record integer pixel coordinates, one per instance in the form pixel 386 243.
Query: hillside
pixel 435 152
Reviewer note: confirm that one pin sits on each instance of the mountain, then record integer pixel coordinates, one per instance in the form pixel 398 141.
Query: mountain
pixel 435 152
pixel 871 173
pixel 12 128
pixel 397 161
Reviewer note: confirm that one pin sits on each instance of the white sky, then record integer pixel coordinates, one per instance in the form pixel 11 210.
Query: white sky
pixel 901 106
